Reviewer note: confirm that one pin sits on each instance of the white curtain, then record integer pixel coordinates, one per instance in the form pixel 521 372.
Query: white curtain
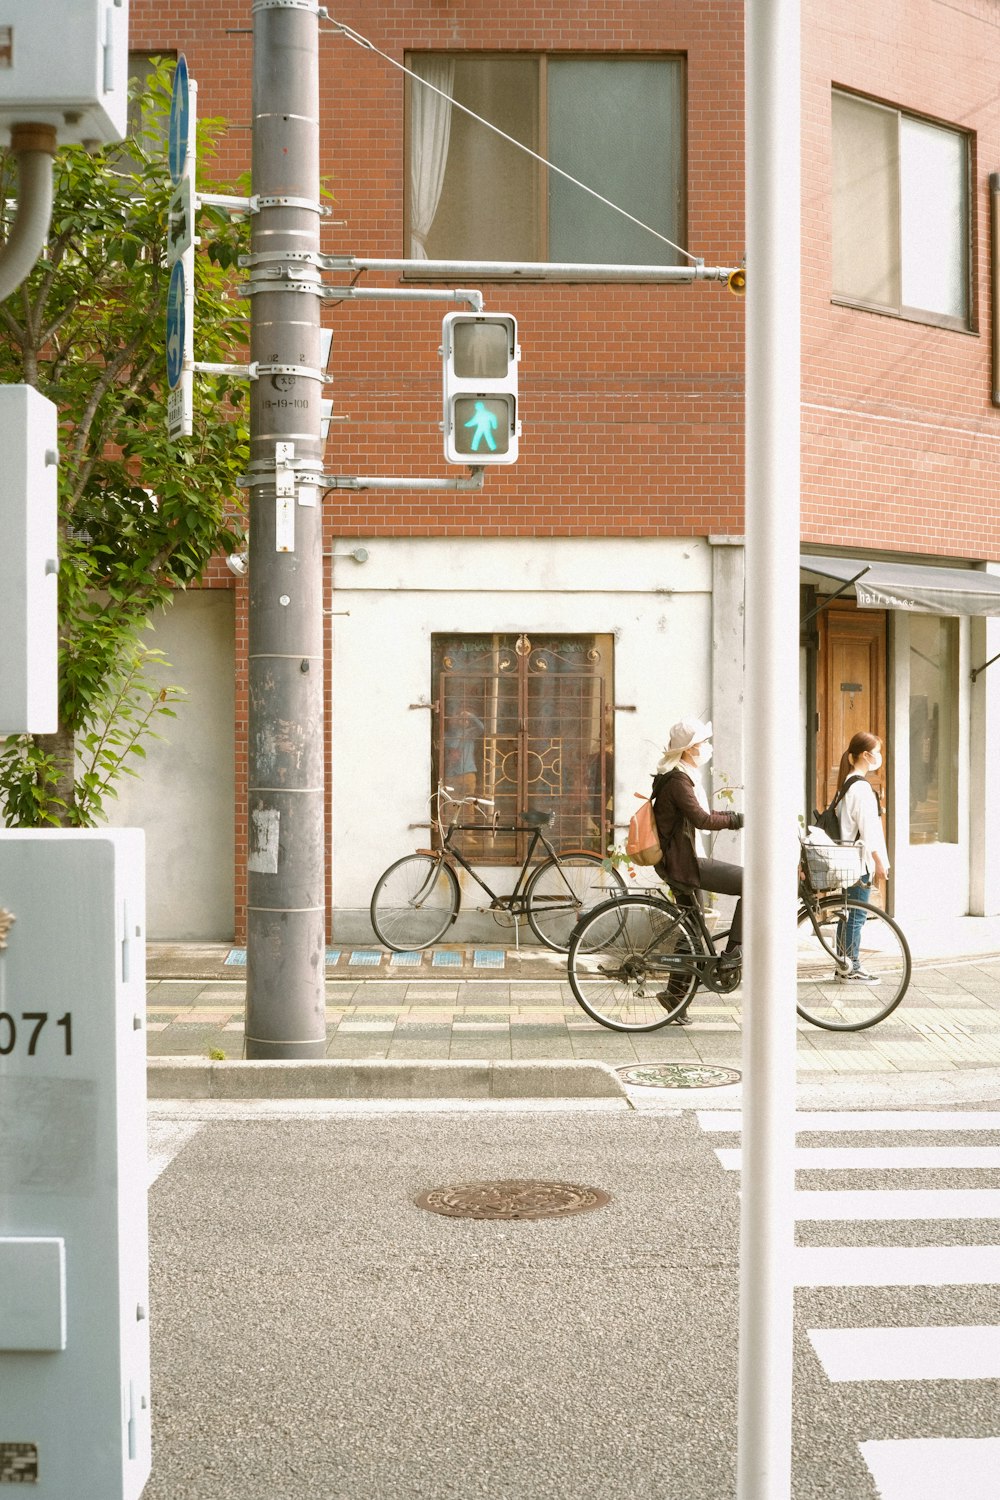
pixel 430 132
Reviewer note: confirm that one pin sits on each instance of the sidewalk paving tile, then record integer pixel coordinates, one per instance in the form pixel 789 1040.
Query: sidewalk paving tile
pixel 488 958
pixel 487 1049
pixel 807 1061
pixel 949 1021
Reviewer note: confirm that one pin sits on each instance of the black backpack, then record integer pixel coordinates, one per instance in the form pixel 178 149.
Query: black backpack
pixel 828 821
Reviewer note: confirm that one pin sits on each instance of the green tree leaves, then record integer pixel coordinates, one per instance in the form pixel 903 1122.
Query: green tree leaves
pixel 139 516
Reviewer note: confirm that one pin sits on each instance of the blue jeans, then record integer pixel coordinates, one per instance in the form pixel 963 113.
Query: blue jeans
pixel 849 929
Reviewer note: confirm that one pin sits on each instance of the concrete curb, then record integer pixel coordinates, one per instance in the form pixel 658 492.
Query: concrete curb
pixel 200 1078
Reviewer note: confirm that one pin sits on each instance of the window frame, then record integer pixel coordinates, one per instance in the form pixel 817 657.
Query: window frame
pixel 538 702
pixel 542 58
pixel 903 311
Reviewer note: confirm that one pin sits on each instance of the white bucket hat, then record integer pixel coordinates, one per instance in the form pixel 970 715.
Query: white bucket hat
pixel 683 736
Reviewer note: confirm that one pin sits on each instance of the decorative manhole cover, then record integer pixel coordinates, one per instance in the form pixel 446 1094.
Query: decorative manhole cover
pixel 512 1198
pixel 679 1076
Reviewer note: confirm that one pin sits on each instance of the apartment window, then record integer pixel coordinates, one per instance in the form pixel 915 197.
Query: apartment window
pixel 933 729
pixel 526 721
pixel 616 124
pixel 901 231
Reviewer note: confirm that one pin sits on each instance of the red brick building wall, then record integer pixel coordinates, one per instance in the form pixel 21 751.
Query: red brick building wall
pixel 631 396
pixel 900 441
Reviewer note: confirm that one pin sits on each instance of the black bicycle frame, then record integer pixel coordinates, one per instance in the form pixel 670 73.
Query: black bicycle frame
pixel 814 907
pixel 702 965
pixel 515 900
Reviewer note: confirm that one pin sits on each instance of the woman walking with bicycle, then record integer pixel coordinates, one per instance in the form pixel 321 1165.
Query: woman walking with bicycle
pixel 682 812
pixel 860 815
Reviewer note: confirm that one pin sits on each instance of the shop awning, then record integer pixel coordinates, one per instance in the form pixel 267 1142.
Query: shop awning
pixel 913 586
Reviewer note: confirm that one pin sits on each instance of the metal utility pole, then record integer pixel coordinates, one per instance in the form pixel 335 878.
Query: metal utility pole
pixel 286 941
pixel 773 74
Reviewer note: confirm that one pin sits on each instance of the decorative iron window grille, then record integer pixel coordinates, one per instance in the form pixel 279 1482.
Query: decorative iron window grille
pixel 527 722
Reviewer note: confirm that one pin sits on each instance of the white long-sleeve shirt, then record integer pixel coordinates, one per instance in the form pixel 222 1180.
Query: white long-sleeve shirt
pixel 859 820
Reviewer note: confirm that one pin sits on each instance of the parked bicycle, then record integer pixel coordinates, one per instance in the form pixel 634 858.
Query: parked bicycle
pixel 417 899
pixel 635 963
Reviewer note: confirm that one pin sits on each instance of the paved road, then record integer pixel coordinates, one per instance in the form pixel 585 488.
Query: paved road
pixel 316 1336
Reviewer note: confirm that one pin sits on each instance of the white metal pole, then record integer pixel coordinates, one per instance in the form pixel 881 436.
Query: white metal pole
pixel 773 74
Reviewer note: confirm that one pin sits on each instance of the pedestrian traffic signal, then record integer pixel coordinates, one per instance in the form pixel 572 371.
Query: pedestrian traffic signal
pixel 479 354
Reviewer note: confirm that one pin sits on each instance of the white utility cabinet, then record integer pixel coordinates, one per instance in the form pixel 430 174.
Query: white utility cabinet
pixel 65 63
pixel 29 566
pixel 74 1257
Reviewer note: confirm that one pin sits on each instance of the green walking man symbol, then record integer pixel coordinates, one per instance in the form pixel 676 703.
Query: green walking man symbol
pixel 484 422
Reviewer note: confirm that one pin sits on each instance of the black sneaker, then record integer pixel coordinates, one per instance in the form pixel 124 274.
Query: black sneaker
pixel 731 959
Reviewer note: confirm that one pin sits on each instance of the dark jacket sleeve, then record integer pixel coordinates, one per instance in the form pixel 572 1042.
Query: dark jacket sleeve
pixel 675 801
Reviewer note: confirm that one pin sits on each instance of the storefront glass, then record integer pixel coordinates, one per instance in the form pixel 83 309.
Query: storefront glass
pixel 933 729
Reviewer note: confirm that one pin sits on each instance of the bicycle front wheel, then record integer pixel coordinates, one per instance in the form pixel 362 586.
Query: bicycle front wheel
pixel 414 902
pixel 562 889
pixel 825 995
pixel 630 963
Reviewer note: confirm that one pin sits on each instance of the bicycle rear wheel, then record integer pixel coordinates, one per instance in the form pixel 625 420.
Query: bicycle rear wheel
pixel 562 889
pixel 414 902
pixel 629 963
pixel 824 994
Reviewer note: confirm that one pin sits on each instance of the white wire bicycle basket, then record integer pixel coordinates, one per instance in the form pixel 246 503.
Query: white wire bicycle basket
pixel 831 867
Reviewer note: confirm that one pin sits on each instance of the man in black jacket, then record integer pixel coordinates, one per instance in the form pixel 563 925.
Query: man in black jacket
pixel 681 810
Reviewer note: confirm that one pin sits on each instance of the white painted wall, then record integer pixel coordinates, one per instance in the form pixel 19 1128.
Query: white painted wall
pixel 183 797
pixel 653 595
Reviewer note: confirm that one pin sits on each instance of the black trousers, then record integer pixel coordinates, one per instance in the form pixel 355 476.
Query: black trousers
pixel 725 880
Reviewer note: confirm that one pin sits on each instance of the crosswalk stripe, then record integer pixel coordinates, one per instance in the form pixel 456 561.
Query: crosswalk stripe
pixel 874 1158
pixel 934 1468
pixel 896 1265
pixel 165 1139
pixel 897 1203
pixel 862 1120
pixel 918 1468
pixel 952 1353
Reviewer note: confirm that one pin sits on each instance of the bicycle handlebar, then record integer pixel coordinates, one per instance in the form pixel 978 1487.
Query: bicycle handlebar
pixel 460 801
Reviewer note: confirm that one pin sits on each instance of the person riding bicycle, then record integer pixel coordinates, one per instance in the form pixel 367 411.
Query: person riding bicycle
pixel 682 811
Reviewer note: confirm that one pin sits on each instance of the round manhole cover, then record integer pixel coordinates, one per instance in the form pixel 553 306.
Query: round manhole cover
pixel 512 1198
pixel 679 1076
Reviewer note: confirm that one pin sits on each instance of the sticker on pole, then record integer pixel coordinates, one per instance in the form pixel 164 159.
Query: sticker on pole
pixel 180 113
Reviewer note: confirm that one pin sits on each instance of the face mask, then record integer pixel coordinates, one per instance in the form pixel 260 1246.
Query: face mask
pixel 876 760
pixel 704 754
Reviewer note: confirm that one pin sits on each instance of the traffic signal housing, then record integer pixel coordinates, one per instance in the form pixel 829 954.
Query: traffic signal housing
pixel 480 353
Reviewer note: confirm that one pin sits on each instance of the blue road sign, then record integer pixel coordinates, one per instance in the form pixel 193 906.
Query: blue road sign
pixel 175 326
pixel 180 107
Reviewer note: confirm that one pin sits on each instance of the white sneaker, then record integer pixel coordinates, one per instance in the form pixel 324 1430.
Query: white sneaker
pixel 858 976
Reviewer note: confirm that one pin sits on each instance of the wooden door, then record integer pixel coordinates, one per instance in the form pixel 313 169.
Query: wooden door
pixel 850 690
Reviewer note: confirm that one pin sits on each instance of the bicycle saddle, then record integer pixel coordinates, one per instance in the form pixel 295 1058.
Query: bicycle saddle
pixel 684 895
pixel 535 819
